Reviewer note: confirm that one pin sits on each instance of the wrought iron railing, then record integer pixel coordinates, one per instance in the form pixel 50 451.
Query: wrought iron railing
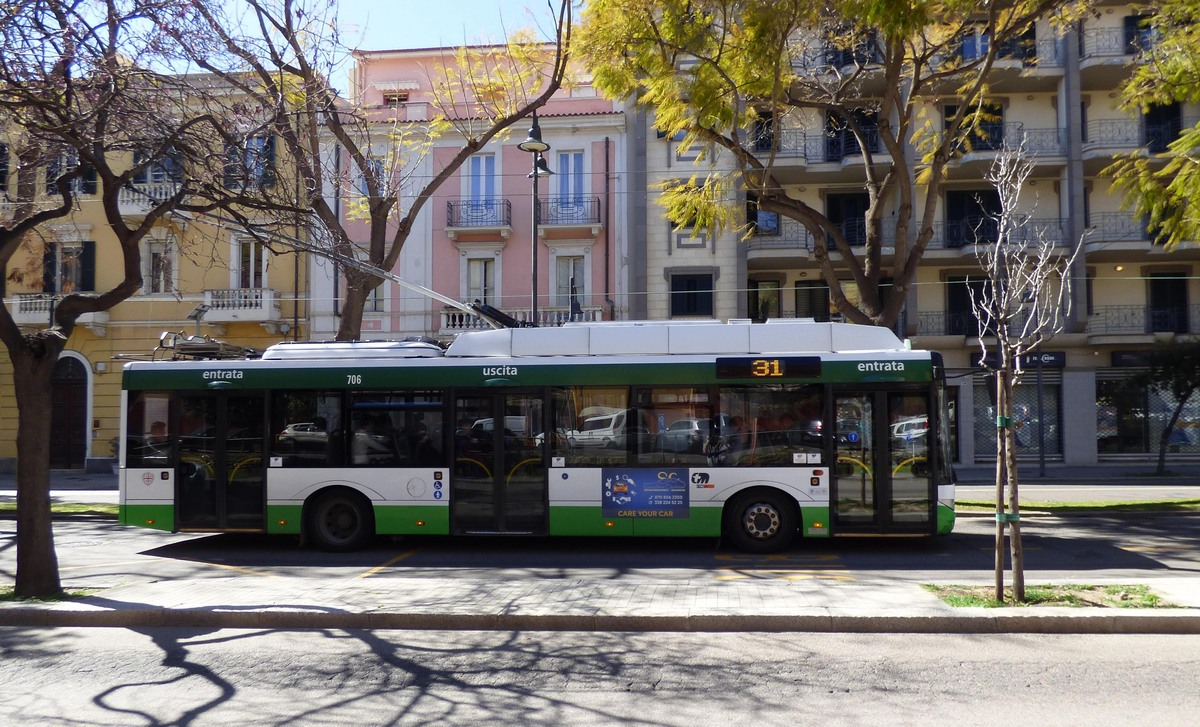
pixel 1140 319
pixel 479 213
pixel 454 320
pixel 569 211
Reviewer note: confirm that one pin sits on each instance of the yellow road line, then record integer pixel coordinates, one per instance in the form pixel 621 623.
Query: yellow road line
pixel 391 562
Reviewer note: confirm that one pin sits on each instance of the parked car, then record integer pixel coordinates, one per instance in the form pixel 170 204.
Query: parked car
pixel 303 433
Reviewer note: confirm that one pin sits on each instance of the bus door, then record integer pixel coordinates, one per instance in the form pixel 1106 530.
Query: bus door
pixel 882 480
pixel 499 483
pixel 219 474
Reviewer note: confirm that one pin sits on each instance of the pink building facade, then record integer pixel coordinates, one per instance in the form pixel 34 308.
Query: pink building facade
pixel 473 240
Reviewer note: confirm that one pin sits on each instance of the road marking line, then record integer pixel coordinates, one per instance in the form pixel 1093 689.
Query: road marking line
pixel 239 569
pixel 101 565
pixel 391 562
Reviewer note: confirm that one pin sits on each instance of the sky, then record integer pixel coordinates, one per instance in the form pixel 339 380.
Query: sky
pixel 392 24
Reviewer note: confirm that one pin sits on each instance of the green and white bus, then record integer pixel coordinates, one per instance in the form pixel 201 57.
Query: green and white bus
pixel 757 433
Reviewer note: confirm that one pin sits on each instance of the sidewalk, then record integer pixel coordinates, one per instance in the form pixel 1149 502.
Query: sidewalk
pixel 242 601
pixel 745 601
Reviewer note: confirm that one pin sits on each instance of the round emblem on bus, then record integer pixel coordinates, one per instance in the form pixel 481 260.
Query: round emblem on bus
pixel 416 487
pixel 148 478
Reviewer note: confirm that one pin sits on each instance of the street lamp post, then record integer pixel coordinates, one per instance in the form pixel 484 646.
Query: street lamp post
pixel 535 146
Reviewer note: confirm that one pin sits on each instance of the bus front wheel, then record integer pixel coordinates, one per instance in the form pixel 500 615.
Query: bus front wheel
pixel 340 520
pixel 761 521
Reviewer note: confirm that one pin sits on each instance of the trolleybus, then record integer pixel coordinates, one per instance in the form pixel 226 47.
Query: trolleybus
pixel 755 432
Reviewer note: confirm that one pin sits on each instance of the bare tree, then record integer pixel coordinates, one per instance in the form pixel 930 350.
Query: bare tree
pixel 1023 301
pixel 356 157
pixel 85 116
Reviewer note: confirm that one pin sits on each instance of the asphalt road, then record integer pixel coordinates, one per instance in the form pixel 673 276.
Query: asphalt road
pixel 229 677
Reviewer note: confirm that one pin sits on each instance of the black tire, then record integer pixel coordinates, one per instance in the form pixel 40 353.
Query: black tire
pixel 340 521
pixel 761 521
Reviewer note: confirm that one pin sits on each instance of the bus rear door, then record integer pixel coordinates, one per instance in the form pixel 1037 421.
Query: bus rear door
pixel 499 483
pixel 219 470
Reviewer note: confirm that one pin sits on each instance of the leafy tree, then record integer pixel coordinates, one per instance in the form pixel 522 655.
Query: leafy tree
pixel 79 105
pixel 1174 368
pixel 1022 303
pixel 282 56
pixel 736 76
pixel 1164 188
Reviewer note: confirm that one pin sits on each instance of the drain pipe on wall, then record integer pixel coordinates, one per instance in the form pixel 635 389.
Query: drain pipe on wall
pixel 612 306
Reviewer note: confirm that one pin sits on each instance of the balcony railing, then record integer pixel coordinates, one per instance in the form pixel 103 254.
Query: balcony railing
pixel 479 213
pixel 454 320
pixel 961 323
pixel 569 211
pixel 1115 42
pixel 233 305
pixel 1116 227
pixel 1140 319
pixel 33 310
pixel 140 197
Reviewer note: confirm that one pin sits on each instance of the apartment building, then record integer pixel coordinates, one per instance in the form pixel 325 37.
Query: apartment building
pixel 1056 95
pixel 201 277
pixel 475 238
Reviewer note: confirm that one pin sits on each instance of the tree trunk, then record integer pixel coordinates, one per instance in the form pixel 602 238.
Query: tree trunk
pixel 350 327
pixel 1014 521
pixel 37 563
pixel 1002 409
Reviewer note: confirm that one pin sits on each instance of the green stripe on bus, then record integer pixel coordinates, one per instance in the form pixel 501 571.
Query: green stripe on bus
pixel 159 517
pixel 814 522
pixel 945 519
pixel 284 519
pixel 412 520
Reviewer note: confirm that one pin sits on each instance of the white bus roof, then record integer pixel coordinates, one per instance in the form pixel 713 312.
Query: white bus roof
pixel 631 338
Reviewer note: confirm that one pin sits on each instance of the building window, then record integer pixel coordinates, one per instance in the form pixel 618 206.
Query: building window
pixel 374 301
pixel 159 261
pixel 1168 310
pixel 165 170
pixel 569 177
pixel 570 282
pixel 692 295
pixel 840 141
pixel 69 267
pixel 250 269
pixel 848 212
pixel 375 171
pixel 3 168
pixel 251 164
pixel 395 98
pixel 812 301
pixel 762 222
pixel 985 135
pixel 1139 35
pixel 960 311
pixel 66 164
pixel 763 300
pixel 481 280
pixel 972 217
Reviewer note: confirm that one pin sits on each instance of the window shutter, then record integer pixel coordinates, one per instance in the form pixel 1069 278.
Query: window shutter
pixel 233 166
pixel 87 183
pixel 87 266
pixel 53 169
pixel 3 177
pixel 268 163
pixel 50 268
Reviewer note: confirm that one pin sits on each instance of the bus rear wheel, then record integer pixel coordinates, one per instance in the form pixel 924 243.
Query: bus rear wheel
pixel 340 520
pixel 761 521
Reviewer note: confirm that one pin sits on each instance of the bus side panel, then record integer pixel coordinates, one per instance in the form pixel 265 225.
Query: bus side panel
pixel 814 521
pixel 412 519
pixel 284 519
pixel 147 498
pixel 703 521
pixel 586 520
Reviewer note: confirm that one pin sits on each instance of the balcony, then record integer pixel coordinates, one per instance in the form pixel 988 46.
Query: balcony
pixel 1141 320
pixel 961 323
pixel 478 216
pixel 570 214
pixel 974 230
pixel 455 321
pixel 136 199
pixel 243 305
pixel 33 311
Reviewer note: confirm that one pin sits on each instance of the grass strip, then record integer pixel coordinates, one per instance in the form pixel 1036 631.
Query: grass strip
pixel 1068 595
